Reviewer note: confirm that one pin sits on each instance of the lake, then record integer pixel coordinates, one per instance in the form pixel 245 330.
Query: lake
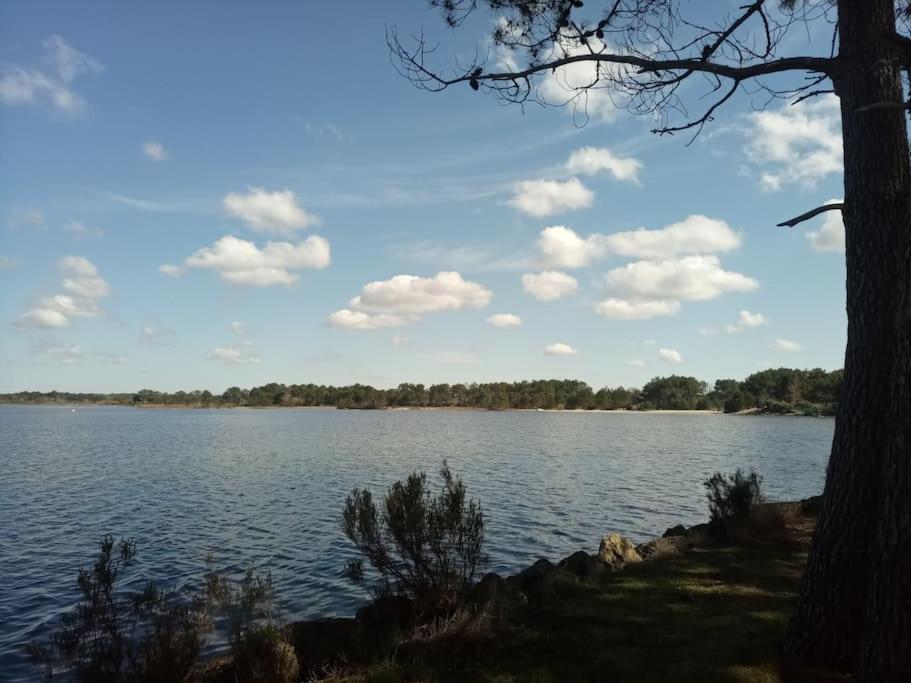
pixel 267 486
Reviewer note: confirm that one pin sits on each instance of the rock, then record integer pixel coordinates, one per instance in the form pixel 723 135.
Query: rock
pixel 322 642
pixel 583 565
pixel 700 535
pixel 497 595
pixel 773 516
pixel 538 580
pixel 678 530
pixel 617 551
pixel 394 612
pixel 666 546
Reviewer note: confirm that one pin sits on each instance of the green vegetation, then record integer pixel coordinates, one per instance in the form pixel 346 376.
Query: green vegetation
pixel 731 495
pixel 783 390
pixel 425 548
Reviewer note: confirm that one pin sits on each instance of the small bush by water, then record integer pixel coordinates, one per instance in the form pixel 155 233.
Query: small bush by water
pixel 730 496
pixel 426 547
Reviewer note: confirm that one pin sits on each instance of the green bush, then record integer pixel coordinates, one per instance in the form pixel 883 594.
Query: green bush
pixel 111 637
pixel 731 495
pixel 260 649
pixel 425 547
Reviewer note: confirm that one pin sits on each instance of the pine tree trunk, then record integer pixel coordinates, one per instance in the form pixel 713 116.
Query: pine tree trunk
pixel 854 599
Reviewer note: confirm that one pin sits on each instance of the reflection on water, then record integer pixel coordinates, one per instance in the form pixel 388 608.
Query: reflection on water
pixel 267 486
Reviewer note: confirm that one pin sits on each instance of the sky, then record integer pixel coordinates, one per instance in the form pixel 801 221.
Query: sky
pixel 208 194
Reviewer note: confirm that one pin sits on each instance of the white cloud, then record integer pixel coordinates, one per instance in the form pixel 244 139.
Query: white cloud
pixel 746 319
pixel 694 278
pixel 580 83
pixel 28 218
pixel 594 160
pixel 559 349
pixel 238 328
pixel 328 129
pixel 708 331
pixel 155 151
pixel 505 320
pixel 84 286
pixel 621 309
pixel 796 145
pixel 540 198
pixel 230 354
pixel 51 82
pixel 561 247
pixel 696 234
pixel 635 363
pixel 831 233
pixel 42 317
pixel 243 263
pixel 265 211
pixel 81 231
pixel 670 355
pixel 64 353
pixel 785 345
pixel 405 298
pixel 359 320
pixel 549 285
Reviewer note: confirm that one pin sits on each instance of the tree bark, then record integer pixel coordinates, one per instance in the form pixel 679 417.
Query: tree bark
pixel 853 611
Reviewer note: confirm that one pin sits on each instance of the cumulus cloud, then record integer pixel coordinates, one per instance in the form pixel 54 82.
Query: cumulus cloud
pixel 694 278
pixel 155 151
pixel 540 198
pixel 745 320
pixel 562 247
pixel 79 230
pixel 234 355
pixel 84 286
pixel 238 328
pixel 49 82
pixel 405 298
pixel 559 349
pixel 549 285
pixel 64 353
pixel 265 211
pixel 622 309
pixel 27 218
pixel 504 320
pixel 241 262
pixel 796 145
pixel 635 363
pixel 359 320
pixel 670 355
pixel 594 160
pixel 578 82
pixel 831 233
pixel 785 345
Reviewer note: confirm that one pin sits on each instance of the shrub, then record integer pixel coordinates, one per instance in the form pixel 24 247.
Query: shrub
pixel 260 649
pixel 425 547
pixel 111 637
pixel 730 496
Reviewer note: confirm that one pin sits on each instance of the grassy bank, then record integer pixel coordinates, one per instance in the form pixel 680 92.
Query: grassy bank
pixel 711 615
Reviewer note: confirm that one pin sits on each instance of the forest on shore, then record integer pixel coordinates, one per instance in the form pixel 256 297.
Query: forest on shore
pixel 777 391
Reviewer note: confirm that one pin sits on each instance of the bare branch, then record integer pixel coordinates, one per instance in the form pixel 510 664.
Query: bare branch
pixel 790 223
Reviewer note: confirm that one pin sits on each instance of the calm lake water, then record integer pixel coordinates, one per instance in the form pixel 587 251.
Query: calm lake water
pixel 267 486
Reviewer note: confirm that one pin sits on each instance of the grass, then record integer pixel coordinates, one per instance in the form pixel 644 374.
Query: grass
pixel 711 615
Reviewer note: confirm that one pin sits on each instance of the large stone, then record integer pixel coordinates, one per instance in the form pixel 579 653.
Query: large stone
pixel 615 550
pixel 659 548
pixel 583 565
pixel 497 595
pixel 678 530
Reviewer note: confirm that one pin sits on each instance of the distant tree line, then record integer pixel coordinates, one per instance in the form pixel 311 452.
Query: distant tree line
pixel 782 390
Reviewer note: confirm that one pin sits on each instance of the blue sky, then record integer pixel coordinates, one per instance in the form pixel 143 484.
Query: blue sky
pixel 150 153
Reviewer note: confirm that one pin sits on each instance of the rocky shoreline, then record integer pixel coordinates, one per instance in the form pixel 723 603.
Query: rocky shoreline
pixel 323 643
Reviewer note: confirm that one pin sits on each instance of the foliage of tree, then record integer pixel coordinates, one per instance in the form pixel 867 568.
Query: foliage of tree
pixel 426 547
pixel 731 495
pixel 782 390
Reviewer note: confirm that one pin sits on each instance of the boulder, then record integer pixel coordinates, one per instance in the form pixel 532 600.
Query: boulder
pixel 615 550
pixel 497 595
pixel 678 530
pixel 322 642
pixel 809 507
pixel 773 516
pixel 386 613
pixel 700 535
pixel 666 546
pixel 583 565
pixel 537 581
